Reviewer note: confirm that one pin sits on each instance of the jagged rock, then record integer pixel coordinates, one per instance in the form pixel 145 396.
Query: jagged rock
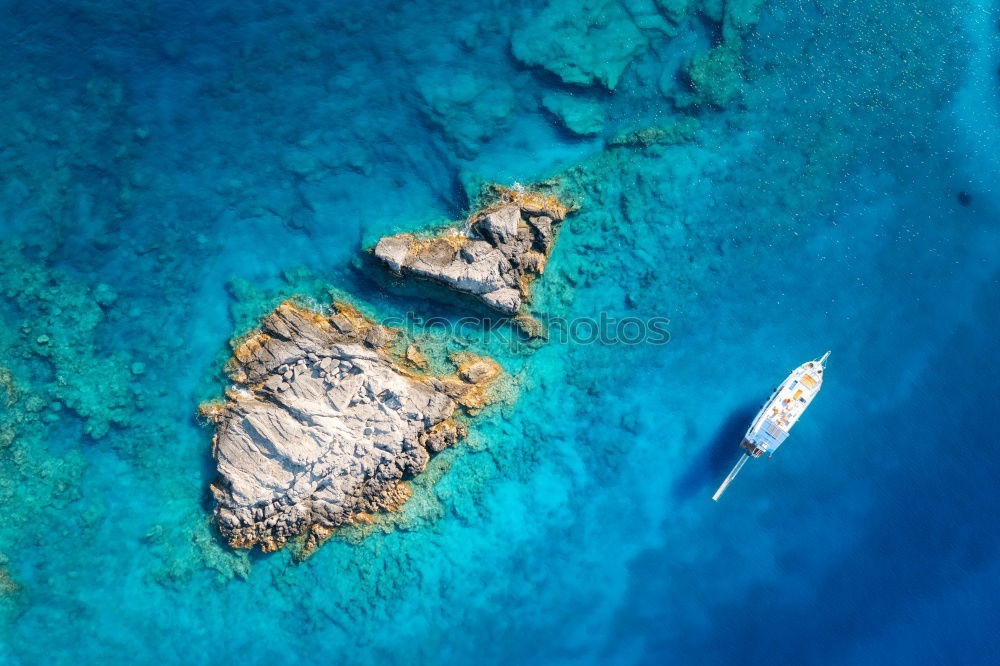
pixel 503 248
pixel 500 226
pixel 324 425
pixel 417 357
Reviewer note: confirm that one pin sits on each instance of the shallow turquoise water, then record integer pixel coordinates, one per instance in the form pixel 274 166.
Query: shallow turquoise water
pixel 171 169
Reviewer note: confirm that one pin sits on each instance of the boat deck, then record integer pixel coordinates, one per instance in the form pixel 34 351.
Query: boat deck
pixel 771 426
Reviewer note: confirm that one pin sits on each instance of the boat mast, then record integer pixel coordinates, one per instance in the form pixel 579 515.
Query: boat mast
pixel 732 475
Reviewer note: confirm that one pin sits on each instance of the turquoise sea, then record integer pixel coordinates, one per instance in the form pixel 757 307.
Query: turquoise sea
pixel 775 177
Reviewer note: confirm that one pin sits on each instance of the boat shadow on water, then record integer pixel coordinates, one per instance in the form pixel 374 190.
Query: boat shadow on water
pixel 710 465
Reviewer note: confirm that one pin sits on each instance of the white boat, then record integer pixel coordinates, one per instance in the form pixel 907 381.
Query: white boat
pixel 781 411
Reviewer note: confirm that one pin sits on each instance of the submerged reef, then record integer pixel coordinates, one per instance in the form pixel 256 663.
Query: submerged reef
pixel 681 131
pixel 326 422
pixel 594 42
pixel 502 249
pixel 468 109
pixel 165 185
pixel 59 319
pixel 579 115
pixel 11 593
pixel 583 42
pixel 715 77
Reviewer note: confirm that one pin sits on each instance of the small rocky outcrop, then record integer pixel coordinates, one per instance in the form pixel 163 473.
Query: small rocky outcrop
pixel 324 424
pixel 502 249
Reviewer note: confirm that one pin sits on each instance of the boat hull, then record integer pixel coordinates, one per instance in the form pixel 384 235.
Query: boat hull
pixel 752 449
pixel 781 411
pixel 787 403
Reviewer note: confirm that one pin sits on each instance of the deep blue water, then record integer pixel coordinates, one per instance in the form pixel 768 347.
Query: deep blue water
pixel 169 169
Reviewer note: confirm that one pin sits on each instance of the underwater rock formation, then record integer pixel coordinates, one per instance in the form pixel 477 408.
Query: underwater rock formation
pixel 325 424
pixel 503 248
pixel 468 109
pixel 715 76
pixel 741 16
pixel 680 131
pixel 579 115
pixel 593 42
pixel 581 42
pixel 62 325
pixel 586 42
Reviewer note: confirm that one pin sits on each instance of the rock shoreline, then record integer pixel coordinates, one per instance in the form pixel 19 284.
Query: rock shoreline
pixel 324 423
pixel 495 257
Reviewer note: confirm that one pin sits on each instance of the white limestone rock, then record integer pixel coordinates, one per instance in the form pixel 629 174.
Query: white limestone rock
pixel 500 226
pixel 324 425
pixel 495 258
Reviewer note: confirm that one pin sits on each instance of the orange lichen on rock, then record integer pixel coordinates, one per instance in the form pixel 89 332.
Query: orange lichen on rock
pixel 500 250
pixel 471 386
pixel 211 410
pixel 531 201
pixel 324 424
pixel 475 369
pixel 416 357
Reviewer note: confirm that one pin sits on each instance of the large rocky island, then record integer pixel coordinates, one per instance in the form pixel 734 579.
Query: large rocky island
pixel 324 423
pixel 495 257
